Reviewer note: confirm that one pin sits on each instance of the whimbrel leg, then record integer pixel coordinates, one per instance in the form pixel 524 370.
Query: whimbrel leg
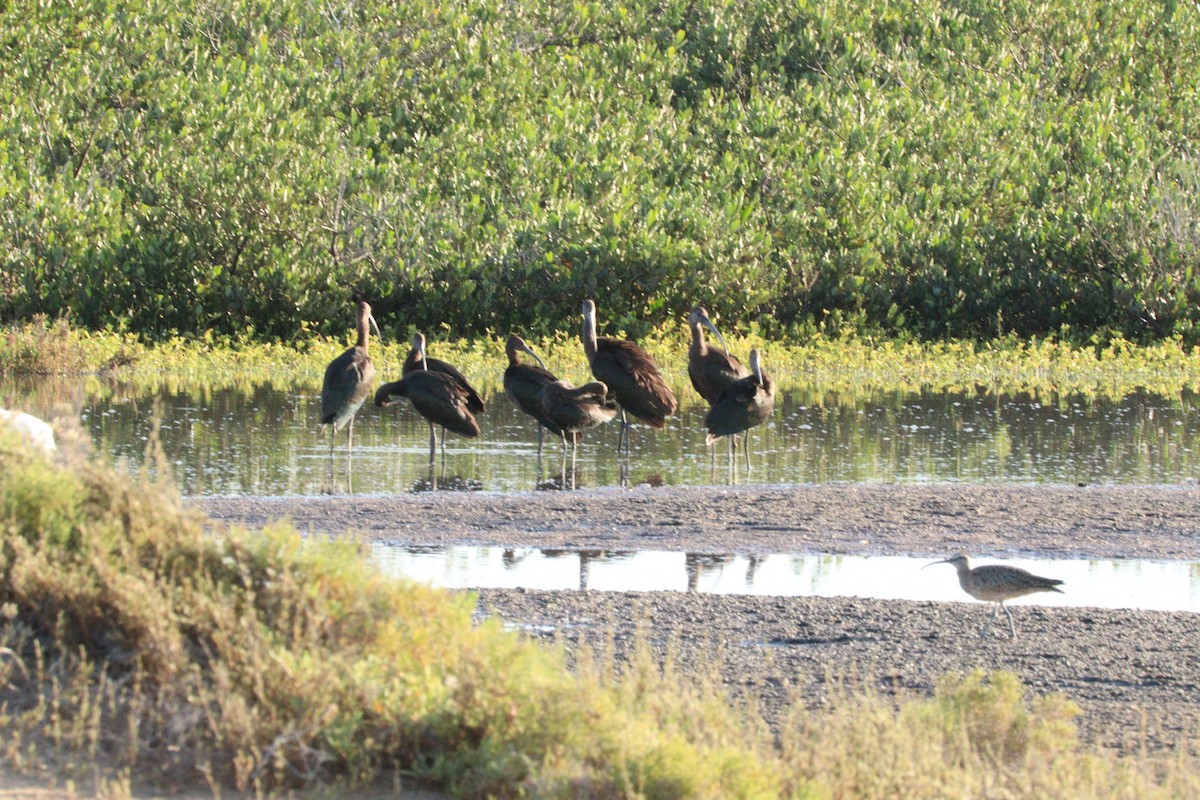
pixel 1011 628
pixel 432 443
pixel 991 619
pixel 623 435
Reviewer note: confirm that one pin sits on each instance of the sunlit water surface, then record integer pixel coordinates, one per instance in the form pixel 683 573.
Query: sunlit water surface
pixel 1098 583
pixel 267 441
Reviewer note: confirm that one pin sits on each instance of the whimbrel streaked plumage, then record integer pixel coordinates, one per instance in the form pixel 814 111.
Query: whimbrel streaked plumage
pixel 995 583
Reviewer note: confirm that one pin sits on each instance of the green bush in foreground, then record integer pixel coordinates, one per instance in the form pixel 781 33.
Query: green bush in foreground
pixel 138 639
pixel 138 644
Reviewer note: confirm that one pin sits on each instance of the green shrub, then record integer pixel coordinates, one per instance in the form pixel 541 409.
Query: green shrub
pixel 921 167
pixel 138 639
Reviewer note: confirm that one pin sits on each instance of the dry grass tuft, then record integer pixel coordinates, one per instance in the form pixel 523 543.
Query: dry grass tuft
pixel 137 639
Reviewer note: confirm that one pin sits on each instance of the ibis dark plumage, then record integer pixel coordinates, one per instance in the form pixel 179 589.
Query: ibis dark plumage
pixel 574 410
pixel 437 398
pixel 710 370
pixel 630 374
pixel 523 384
pixel 742 404
pixel 418 360
pixel 437 395
pixel 348 380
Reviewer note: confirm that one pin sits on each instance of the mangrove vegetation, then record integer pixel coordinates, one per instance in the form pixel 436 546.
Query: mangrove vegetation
pixel 918 168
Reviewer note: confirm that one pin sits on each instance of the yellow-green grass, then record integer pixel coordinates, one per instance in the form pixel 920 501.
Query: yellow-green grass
pixel 135 638
pixel 847 364
pixel 141 643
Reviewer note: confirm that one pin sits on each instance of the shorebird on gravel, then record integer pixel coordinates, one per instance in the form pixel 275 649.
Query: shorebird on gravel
pixel 996 583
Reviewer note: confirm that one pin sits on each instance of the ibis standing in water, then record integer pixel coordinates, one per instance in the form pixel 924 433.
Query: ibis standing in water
pixel 523 384
pixel 712 370
pixel 742 404
pixel 437 395
pixel 574 411
pixel 348 380
pixel 418 360
pixel 630 374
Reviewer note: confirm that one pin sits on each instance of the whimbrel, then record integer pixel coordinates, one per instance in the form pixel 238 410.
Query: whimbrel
pixel 996 583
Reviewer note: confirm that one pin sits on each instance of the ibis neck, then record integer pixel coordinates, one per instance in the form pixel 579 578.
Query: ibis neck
pixel 364 331
pixel 589 338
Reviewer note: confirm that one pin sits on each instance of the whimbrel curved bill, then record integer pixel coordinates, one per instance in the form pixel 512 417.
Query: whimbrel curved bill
pixel 995 583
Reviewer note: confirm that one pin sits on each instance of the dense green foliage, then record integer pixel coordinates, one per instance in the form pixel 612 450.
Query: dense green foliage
pixel 919 166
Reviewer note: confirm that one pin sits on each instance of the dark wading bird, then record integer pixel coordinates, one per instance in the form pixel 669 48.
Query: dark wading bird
pixel 742 404
pixel 418 360
pixel 574 411
pixel 437 396
pixel 523 383
pixel 348 380
pixel 630 375
pixel 712 370
pixel 995 583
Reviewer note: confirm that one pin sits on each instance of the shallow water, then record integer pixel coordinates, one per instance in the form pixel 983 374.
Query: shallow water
pixel 1097 583
pixel 267 441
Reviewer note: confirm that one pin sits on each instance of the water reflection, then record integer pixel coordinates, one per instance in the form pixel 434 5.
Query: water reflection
pixel 264 440
pixel 1099 583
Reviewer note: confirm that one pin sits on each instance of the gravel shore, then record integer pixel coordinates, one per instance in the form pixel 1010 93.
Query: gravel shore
pixel 1135 674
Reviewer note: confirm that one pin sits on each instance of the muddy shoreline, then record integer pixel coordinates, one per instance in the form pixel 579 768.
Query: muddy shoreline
pixel 1135 674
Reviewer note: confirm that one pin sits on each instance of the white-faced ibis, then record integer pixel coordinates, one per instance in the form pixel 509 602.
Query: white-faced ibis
pixel 710 370
pixel 995 583
pixel 575 410
pixel 523 383
pixel 439 398
pixel 418 360
pixel 630 375
pixel 742 404
pixel 348 380
pixel 37 432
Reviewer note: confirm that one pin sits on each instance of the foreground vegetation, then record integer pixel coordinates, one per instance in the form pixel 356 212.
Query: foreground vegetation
pixel 964 169
pixel 138 648
pixel 839 362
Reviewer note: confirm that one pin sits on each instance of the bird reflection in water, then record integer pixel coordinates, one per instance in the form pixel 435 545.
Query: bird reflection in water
pixel 697 564
pixel 446 483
